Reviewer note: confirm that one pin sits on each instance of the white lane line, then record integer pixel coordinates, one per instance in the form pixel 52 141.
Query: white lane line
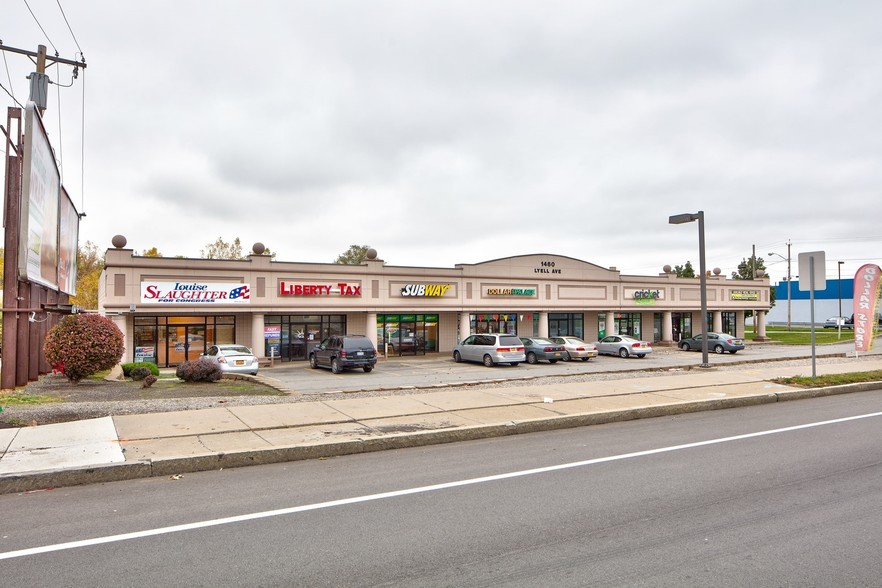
pixel 408 491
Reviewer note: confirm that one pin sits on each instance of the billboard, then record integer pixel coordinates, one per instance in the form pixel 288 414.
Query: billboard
pixel 49 229
pixel 68 239
pixel 41 187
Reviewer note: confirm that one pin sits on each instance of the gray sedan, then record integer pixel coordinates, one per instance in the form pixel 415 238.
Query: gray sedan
pixel 538 349
pixel 716 342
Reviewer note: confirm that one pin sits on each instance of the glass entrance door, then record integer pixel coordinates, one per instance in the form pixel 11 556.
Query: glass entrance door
pixel 300 339
pixel 185 343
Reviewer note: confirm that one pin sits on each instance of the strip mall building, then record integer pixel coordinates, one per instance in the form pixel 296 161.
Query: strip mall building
pixel 170 309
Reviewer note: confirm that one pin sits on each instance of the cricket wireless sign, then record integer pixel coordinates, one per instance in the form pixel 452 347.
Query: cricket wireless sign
pixel 194 292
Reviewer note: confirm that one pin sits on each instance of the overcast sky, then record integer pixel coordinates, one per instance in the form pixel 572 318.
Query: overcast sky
pixel 464 131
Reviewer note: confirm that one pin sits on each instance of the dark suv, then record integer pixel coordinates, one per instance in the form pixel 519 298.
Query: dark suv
pixel 342 352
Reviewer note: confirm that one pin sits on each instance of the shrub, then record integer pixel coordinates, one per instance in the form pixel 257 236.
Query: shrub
pixel 84 344
pixel 199 371
pixel 128 367
pixel 149 381
pixel 139 373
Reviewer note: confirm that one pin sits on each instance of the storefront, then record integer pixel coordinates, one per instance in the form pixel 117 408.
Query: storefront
pixel 170 309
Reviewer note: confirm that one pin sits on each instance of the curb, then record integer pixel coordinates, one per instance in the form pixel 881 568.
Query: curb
pixel 32 481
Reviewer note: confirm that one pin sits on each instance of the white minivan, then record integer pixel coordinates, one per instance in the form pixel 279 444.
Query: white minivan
pixel 490 349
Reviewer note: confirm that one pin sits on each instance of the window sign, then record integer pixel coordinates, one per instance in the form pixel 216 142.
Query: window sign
pixel 750 295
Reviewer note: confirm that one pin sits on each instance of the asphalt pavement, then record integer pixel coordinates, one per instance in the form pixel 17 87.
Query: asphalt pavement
pixel 432 403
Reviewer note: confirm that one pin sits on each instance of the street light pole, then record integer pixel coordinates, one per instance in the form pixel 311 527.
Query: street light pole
pixel 787 259
pixel 679 219
pixel 839 319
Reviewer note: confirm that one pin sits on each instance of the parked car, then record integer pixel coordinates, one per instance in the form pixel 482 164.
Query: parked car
pixel 834 322
pixel 716 342
pixel 576 348
pixel 490 349
pixel 623 346
pixel 539 349
pixel 233 359
pixel 342 352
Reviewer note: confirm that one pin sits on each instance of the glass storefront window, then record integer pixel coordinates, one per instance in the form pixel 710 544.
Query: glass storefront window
pixel 564 324
pixel 407 334
pixel 295 335
pixel 501 322
pixel 170 340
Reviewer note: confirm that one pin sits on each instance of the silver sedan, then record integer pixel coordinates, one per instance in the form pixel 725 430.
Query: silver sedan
pixel 623 346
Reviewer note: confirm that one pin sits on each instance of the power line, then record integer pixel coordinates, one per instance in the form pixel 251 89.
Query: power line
pixel 64 16
pixel 41 26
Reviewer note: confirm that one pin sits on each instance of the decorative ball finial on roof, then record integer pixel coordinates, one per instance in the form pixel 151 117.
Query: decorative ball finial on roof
pixel 119 241
pixel 258 248
pixel 760 273
pixel 371 254
pixel 666 269
pixel 717 271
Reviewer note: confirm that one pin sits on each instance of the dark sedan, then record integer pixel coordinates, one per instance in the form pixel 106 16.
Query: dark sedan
pixel 537 348
pixel 716 342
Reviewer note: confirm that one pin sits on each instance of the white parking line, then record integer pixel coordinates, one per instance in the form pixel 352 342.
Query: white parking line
pixel 409 491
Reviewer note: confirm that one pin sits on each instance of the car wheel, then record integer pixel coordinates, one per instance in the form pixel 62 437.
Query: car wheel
pixel 253 373
pixel 488 361
pixel 531 358
pixel 312 362
pixel 566 356
pixel 641 356
pixel 585 359
pixel 623 352
pixel 515 364
pixel 734 351
pixel 335 366
pixel 367 368
pixel 457 357
pixel 684 346
pixel 718 349
pixel 552 361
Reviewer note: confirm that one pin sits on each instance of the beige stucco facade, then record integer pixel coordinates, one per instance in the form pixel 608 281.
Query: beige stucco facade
pixel 530 292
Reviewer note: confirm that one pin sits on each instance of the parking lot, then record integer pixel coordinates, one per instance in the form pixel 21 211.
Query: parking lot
pixel 439 370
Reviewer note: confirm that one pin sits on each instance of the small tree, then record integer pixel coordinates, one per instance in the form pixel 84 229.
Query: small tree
pixel 685 271
pixel 355 255
pixel 83 344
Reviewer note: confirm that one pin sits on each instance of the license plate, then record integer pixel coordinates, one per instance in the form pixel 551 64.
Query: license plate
pixel 737 341
pixel 557 354
pixel 240 362
pixel 359 353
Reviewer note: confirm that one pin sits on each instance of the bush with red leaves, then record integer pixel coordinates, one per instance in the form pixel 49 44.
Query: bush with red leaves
pixel 84 344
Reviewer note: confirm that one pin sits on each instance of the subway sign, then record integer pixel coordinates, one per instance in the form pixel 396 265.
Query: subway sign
pixel 425 290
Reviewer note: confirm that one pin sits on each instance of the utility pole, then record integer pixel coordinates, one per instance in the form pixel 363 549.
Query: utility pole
pixel 22 358
pixel 39 79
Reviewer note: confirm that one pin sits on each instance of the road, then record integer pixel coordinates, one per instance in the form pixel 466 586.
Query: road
pixel 775 495
pixel 440 370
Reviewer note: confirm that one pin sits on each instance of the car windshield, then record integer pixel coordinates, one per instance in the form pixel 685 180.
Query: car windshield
pixel 237 350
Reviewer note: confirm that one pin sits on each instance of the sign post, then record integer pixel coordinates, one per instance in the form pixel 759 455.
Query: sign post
pixel 812 276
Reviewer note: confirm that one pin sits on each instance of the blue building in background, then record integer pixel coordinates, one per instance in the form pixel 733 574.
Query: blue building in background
pixel 838 294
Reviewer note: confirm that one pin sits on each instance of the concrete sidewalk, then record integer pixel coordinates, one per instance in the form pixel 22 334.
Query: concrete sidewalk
pixel 160 444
